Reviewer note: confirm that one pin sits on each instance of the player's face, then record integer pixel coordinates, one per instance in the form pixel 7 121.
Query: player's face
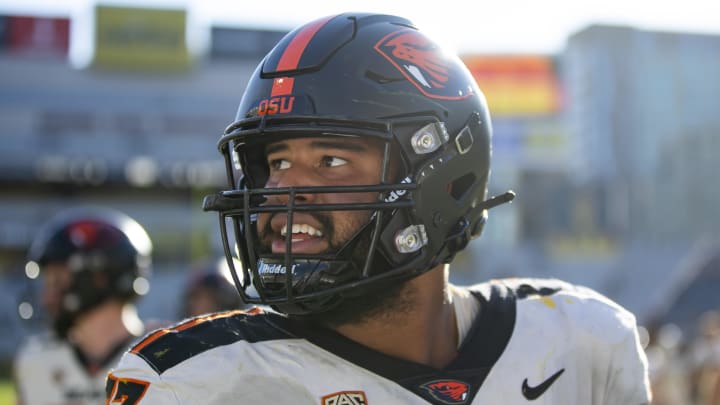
pixel 326 161
pixel 202 301
pixel 56 279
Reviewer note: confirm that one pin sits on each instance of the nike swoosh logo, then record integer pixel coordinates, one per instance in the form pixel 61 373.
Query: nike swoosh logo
pixel 532 393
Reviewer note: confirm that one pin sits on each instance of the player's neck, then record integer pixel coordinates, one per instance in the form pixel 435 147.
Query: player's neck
pixel 100 330
pixel 426 335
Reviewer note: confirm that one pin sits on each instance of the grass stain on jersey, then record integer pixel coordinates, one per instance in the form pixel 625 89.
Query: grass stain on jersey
pixel 161 353
pixel 549 302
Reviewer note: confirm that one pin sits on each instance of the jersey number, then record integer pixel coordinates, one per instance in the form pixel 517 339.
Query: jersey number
pixel 124 391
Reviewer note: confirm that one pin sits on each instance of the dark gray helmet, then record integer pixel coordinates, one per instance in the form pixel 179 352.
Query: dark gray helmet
pixel 358 75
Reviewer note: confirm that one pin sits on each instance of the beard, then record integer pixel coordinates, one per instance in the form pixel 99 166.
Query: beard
pixel 390 303
pixel 391 300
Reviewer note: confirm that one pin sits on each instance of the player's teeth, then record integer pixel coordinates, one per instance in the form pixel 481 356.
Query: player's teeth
pixel 302 228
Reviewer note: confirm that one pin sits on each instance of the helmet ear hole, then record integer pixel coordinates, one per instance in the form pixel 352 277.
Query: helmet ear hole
pixel 459 187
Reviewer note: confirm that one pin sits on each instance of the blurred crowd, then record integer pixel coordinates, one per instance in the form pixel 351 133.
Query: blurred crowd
pixel 685 365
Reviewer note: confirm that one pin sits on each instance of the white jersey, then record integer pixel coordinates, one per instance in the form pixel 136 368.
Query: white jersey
pixel 523 342
pixel 50 371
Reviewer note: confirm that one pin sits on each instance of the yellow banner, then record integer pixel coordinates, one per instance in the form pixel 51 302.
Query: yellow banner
pixel 130 38
pixel 516 85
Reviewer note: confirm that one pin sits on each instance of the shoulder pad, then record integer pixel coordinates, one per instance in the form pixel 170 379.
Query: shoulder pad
pixel 167 347
pixel 533 287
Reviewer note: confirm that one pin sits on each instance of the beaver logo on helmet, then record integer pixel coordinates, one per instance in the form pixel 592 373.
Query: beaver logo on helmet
pixel 91 234
pixel 422 62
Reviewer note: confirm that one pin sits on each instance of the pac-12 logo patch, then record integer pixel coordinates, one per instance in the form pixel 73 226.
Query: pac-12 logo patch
pixel 423 63
pixel 448 391
pixel 345 398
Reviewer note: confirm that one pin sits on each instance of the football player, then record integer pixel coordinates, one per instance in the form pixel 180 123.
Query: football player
pixel 358 165
pixel 92 264
pixel 209 289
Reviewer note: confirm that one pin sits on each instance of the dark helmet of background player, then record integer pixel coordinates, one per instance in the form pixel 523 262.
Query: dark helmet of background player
pixel 209 289
pixel 107 255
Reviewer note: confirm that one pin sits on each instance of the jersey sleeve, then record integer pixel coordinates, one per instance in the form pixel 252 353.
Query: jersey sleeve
pixel 20 373
pixel 615 329
pixel 133 382
pixel 628 382
pixel 604 339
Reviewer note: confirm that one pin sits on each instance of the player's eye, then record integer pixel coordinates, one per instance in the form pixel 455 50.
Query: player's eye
pixel 333 161
pixel 279 164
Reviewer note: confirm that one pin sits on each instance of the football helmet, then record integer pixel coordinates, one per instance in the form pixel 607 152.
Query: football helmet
pixel 358 75
pixel 106 253
pixel 211 281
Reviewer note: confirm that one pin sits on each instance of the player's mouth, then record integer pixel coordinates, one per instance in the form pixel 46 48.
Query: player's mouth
pixel 304 238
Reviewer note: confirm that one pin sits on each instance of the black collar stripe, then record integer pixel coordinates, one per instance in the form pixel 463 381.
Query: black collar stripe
pixel 483 346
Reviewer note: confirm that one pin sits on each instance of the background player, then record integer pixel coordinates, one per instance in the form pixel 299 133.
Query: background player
pixel 93 263
pixel 209 289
